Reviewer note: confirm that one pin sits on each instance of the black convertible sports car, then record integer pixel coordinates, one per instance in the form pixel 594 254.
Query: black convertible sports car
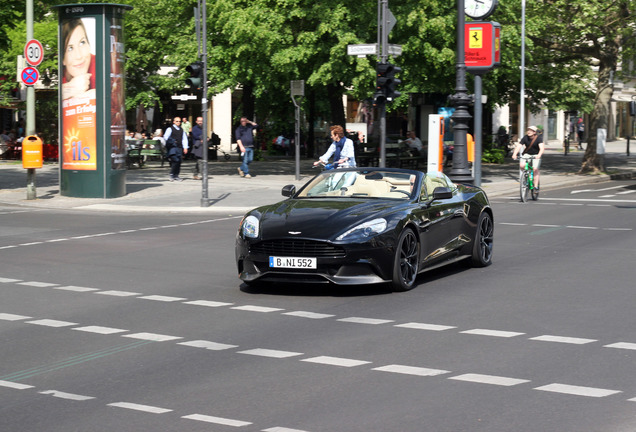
pixel 364 226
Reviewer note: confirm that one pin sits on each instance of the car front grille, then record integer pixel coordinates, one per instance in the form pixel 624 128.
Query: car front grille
pixel 297 248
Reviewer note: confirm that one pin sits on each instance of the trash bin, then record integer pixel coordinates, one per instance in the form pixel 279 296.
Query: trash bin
pixel 32 152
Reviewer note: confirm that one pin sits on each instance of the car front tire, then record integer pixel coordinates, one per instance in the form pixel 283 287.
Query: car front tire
pixel 406 262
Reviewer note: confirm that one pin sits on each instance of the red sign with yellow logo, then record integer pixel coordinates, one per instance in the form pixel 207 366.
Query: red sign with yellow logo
pixel 482 44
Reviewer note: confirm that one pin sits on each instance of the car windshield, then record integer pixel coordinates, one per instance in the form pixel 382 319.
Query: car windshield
pixel 361 183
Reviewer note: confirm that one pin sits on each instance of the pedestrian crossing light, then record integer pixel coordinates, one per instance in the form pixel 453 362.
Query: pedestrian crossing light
pixel 196 73
pixel 386 83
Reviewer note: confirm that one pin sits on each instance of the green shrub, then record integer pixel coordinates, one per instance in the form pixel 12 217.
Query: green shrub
pixel 493 156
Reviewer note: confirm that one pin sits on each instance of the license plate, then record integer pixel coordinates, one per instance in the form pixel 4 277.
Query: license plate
pixel 292 262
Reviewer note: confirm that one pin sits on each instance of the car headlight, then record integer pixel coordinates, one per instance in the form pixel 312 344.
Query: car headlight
pixel 250 227
pixel 364 230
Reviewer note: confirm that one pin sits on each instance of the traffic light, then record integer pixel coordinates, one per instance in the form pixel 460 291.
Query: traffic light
pixel 386 82
pixel 196 75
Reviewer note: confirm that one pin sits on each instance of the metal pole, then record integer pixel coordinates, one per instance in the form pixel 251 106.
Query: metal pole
pixel 297 140
pixel 478 128
pixel 460 172
pixel 522 96
pixel 205 202
pixel 382 57
pixel 30 105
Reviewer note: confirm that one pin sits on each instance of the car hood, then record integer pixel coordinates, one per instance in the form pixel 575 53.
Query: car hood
pixel 319 218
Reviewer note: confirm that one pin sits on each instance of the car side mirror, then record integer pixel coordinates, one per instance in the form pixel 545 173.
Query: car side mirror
pixel 289 190
pixel 442 193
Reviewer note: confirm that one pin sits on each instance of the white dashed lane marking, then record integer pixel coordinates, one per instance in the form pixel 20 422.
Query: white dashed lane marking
pixel 52 323
pixel 38 284
pixel 489 379
pixel 622 345
pixel 252 308
pixel 118 293
pixel 359 320
pixel 494 333
pixel 423 326
pixel 217 420
pixel 214 346
pixel 577 390
pixel 138 407
pixel 336 361
pixel 152 337
pixel 15 385
pixel 562 339
pixel 270 353
pixel 12 317
pixel 100 330
pixel 162 298
pixel 311 315
pixel 411 370
pixel 75 288
pixel 207 303
pixel 63 395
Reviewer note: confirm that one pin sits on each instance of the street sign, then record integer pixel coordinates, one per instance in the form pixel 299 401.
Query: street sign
pixel 395 50
pixel 482 46
pixel 29 76
pixel 362 49
pixel 297 88
pixel 33 52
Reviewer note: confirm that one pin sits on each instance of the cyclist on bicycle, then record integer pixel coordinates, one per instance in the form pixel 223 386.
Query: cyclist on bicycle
pixel 341 148
pixel 530 144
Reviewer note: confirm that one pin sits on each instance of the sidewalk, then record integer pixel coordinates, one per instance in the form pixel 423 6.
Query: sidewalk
pixel 149 190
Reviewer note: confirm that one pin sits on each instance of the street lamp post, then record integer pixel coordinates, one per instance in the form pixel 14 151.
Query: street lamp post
pixel 461 99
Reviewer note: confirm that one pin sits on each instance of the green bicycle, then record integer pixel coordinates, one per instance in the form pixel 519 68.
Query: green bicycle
pixel 526 181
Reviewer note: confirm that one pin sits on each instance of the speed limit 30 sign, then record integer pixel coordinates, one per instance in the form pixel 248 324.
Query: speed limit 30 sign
pixel 33 52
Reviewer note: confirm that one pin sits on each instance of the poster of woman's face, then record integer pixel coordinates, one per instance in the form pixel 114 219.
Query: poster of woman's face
pixel 78 59
pixel 79 103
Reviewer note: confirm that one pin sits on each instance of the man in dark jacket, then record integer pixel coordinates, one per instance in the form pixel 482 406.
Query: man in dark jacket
pixel 197 147
pixel 176 147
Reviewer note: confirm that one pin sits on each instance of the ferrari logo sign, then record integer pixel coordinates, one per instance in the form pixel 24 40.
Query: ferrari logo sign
pixel 476 39
pixel 482 45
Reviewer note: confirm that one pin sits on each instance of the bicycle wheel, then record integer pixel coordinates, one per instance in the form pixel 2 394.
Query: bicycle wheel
pixel 523 186
pixel 535 192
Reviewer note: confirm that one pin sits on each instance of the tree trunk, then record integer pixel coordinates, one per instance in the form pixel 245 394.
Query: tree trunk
pixel 337 107
pixel 593 163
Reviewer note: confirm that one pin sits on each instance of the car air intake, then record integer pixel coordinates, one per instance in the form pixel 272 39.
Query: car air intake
pixel 297 248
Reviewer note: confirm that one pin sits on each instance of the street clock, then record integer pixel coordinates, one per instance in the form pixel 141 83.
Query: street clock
pixel 479 9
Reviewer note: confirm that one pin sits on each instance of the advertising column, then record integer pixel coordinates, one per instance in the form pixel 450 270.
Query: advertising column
pixel 92 100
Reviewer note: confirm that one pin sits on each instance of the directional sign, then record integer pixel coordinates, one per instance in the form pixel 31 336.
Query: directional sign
pixel 395 50
pixel 362 49
pixel 29 76
pixel 33 52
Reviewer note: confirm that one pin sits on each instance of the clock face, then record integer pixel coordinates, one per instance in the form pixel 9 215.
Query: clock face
pixel 479 8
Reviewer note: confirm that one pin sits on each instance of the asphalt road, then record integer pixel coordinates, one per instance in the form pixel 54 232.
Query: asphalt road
pixel 119 322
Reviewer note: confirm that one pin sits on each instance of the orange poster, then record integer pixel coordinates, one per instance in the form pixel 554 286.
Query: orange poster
pixel 79 105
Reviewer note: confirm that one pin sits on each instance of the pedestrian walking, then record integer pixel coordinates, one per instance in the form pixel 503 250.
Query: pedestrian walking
pixel 197 147
pixel 245 139
pixel 176 147
pixel 580 132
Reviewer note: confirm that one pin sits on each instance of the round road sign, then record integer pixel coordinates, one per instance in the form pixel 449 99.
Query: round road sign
pixel 30 76
pixel 33 52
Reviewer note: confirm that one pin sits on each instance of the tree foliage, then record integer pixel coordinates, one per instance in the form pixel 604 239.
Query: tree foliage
pixel 261 45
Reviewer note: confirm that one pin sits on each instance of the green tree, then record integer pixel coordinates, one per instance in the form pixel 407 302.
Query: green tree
pixel 578 36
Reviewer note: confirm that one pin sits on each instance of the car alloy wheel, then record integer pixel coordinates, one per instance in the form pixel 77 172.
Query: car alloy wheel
pixel 483 242
pixel 406 265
